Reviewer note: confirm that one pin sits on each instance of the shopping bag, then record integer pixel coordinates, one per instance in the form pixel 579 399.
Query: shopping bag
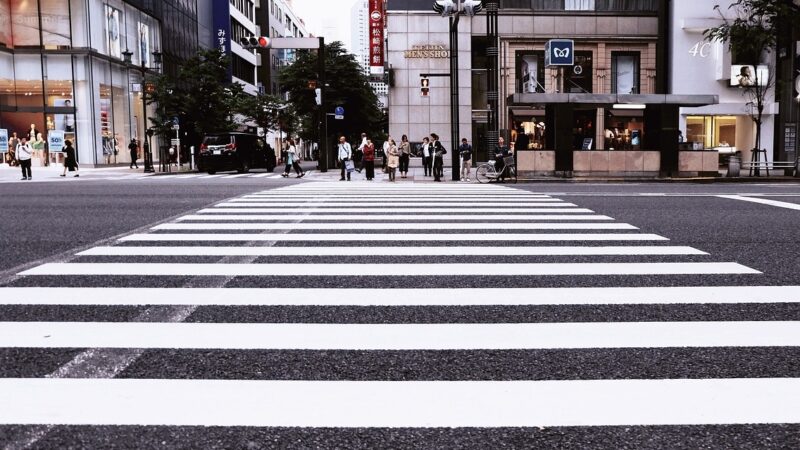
pixel 349 166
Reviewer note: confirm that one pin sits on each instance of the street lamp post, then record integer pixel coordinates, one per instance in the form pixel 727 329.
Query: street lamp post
pixel 148 155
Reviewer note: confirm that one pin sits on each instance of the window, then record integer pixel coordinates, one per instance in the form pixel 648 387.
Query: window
pixel 712 131
pixel 624 73
pixel 243 70
pixel 578 79
pixel 579 5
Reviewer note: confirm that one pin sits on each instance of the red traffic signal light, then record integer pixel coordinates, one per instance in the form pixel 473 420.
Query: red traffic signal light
pixel 254 42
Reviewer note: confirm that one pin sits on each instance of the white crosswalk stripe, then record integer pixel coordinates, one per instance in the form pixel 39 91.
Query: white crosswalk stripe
pixel 392 308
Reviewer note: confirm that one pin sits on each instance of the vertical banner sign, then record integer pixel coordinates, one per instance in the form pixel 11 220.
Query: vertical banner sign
pixel 55 141
pixel 222 31
pixel 3 141
pixel 376 21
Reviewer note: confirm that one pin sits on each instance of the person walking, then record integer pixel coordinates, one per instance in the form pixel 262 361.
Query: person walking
pixel 70 161
pixel 24 153
pixel 369 160
pixel 438 151
pixel 292 160
pixel 393 160
pixel 345 154
pixel 465 150
pixel 405 156
pixel 501 150
pixel 133 147
pixel 426 157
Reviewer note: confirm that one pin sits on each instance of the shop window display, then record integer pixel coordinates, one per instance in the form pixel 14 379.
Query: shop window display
pixel 624 130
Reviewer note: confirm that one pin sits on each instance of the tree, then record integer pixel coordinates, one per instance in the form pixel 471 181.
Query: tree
pixel 752 35
pixel 272 113
pixel 201 96
pixel 347 86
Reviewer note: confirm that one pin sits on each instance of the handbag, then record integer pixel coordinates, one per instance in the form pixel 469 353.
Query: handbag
pixel 349 166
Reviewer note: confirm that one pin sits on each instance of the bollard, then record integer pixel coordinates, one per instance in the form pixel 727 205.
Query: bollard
pixel 734 166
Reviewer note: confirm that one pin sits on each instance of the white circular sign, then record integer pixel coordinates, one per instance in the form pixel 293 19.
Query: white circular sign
pixel 577 70
pixel 376 16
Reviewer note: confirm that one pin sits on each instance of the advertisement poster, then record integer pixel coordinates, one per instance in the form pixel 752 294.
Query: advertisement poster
pixel 376 21
pixel 64 122
pixel 530 73
pixel 744 76
pixel 113 38
pixel 222 30
pixel 144 44
pixel 55 141
pixel 3 141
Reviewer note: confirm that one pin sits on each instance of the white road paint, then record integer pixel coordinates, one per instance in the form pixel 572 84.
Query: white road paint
pixel 305 336
pixel 389 251
pixel 241 175
pixel 378 205
pixel 372 237
pixel 393 226
pixel 379 195
pixel 714 295
pixel 393 270
pixel 400 199
pixel 763 201
pixel 376 217
pixel 264 175
pixel 298 209
pixel 211 176
pixel 405 404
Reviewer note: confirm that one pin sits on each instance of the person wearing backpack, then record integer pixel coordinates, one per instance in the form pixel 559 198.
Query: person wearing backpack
pixel 438 158
pixel 24 153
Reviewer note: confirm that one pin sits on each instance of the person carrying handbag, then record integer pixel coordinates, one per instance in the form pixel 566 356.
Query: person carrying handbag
pixel 405 156
pixel 24 153
pixel 291 161
pixel 345 154
pixel 438 151
pixel 393 160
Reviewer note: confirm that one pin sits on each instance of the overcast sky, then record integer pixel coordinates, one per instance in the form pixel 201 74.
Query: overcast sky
pixel 327 18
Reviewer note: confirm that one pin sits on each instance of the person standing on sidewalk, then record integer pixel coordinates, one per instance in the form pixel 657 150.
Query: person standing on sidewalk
pixel 426 156
pixel 405 156
pixel 500 152
pixel 438 151
pixel 393 160
pixel 133 147
pixel 369 160
pixel 358 155
pixel 345 154
pixel 70 161
pixel 24 154
pixel 465 150
pixel 386 152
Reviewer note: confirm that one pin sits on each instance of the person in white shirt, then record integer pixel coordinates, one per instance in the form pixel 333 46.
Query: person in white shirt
pixel 386 146
pixel 426 157
pixel 24 153
pixel 345 154
pixel 360 153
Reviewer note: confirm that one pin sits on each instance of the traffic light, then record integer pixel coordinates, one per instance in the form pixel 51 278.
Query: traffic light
pixel 473 7
pixel 445 7
pixel 424 87
pixel 255 42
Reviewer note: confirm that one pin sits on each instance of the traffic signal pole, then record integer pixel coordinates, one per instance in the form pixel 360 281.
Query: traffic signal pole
pixel 454 100
pixel 323 118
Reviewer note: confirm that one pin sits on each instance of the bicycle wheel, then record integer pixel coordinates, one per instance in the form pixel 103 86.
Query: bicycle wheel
pixel 484 173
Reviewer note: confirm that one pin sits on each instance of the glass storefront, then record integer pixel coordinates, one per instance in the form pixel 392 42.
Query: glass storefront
pixel 46 86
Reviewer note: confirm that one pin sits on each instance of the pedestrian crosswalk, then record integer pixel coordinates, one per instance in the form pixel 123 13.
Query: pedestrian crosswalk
pixel 393 309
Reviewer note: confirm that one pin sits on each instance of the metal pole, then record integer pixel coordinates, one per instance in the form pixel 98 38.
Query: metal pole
pixel 454 101
pixel 148 157
pixel 323 144
pixel 492 95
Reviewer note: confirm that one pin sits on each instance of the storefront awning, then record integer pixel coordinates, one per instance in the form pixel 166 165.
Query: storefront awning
pixel 608 100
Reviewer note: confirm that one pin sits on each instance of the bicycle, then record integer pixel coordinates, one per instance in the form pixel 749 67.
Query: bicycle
pixel 487 172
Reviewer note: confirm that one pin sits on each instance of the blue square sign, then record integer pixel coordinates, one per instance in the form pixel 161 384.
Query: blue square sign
pixel 559 52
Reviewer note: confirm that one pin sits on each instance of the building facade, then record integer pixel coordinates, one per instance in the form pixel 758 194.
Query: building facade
pixel 360 44
pixel 617 51
pixel 74 69
pixel 702 67
pixel 229 22
pixel 278 19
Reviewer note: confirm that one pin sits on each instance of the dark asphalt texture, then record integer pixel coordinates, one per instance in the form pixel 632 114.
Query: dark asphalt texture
pixel 52 221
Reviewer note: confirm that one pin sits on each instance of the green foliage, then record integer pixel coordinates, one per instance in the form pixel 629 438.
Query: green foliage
pixel 272 113
pixel 347 86
pixel 200 96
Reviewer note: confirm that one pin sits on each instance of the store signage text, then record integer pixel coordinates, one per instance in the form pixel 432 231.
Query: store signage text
pixel 427 51
pixel 700 49
pixel 376 24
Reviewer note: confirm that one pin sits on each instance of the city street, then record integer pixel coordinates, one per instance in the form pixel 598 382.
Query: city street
pixel 262 312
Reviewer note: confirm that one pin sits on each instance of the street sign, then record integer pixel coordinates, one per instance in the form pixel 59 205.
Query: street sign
pixel 3 141
pixel 338 113
pixel 175 142
pixel 559 52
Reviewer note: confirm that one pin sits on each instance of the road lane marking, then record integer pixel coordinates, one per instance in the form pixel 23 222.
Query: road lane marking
pixel 294 208
pixel 398 404
pixel 473 218
pixel 763 201
pixel 381 270
pixel 372 237
pixel 404 337
pixel 433 204
pixel 393 226
pixel 713 295
pixel 241 175
pixel 388 251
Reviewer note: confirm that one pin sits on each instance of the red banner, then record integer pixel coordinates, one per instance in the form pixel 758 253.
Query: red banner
pixel 376 23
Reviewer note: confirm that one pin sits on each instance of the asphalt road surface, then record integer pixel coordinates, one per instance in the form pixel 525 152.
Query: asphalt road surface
pixel 270 313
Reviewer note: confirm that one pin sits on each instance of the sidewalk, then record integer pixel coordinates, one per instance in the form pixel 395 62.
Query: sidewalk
pixel 53 172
